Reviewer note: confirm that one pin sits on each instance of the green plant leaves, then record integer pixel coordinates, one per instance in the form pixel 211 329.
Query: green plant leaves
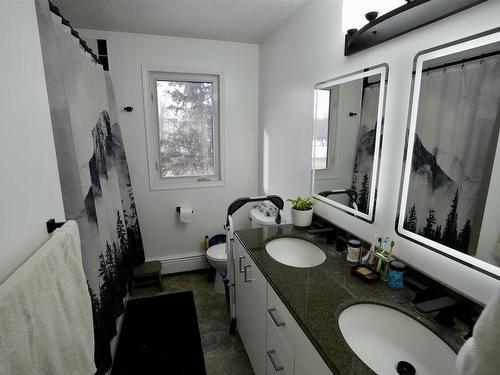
pixel 302 204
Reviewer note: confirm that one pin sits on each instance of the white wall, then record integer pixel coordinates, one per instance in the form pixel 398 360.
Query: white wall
pixel 309 49
pixel 30 192
pixel 163 236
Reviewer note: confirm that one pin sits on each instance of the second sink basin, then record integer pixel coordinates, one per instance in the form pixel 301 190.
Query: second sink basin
pixel 385 338
pixel 295 252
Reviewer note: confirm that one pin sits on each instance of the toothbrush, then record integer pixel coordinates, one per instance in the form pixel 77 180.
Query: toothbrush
pixel 377 254
pixel 382 254
pixel 386 240
pixel 379 261
pixel 390 252
pixel 371 258
pixel 386 270
pixel 368 256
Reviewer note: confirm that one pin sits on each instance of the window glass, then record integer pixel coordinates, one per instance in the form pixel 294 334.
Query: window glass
pixel 186 128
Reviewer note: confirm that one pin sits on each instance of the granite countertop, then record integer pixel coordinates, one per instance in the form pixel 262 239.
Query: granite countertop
pixel 316 296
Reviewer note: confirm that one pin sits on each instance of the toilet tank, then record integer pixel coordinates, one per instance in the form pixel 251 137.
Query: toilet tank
pixel 258 219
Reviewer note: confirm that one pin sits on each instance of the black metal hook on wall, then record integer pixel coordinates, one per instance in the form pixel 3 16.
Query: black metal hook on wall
pixel 52 225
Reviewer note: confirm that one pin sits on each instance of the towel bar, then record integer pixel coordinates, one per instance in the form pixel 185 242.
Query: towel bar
pixel 52 225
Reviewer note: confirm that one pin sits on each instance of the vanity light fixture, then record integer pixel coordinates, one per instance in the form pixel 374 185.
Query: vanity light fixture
pixel 355 13
pixel 389 19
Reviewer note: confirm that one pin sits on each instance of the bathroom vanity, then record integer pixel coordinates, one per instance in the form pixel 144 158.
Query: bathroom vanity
pixel 288 317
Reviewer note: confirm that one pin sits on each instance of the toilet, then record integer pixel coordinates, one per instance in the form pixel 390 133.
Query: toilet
pixel 258 219
pixel 217 256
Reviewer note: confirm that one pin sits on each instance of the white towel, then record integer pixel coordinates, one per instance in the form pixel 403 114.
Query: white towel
pixel 46 314
pixel 480 354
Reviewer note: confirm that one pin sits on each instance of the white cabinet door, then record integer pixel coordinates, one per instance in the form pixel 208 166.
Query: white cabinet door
pixel 306 358
pixel 281 348
pixel 279 355
pixel 251 289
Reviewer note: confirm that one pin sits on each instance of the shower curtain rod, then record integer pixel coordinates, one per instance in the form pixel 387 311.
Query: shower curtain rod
pixel 460 62
pixel 75 33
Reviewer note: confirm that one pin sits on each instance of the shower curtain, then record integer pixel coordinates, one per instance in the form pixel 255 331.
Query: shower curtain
pixel 363 166
pixel 457 128
pixel 93 171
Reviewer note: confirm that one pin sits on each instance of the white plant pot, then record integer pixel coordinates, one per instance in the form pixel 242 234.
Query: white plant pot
pixel 302 218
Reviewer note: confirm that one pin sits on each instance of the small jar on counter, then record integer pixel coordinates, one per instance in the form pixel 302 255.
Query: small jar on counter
pixel 353 250
pixel 396 273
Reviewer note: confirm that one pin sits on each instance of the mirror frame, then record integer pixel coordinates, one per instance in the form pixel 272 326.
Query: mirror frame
pixel 383 70
pixel 473 41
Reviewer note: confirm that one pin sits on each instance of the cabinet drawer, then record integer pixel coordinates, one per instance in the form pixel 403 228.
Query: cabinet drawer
pixel 279 357
pixel 280 317
pixel 306 359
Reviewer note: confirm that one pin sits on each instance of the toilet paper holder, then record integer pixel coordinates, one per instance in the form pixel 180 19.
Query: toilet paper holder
pixel 178 209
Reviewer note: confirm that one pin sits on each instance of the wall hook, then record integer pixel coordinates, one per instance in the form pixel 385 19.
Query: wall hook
pixel 52 225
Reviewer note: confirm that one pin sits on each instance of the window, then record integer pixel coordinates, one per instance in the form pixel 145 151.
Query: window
pixel 326 144
pixel 184 131
pixel 321 145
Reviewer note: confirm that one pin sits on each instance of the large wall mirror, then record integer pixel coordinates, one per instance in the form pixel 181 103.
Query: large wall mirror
pixel 450 194
pixel 348 120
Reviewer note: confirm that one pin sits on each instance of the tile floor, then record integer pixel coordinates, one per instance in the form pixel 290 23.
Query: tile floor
pixel 224 353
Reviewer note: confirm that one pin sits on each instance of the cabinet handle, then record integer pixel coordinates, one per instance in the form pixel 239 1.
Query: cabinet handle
pixel 276 321
pixel 270 354
pixel 247 280
pixel 241 268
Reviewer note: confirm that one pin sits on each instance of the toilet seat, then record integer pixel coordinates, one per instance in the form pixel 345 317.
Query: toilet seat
pixel 217 252
pixel 217 258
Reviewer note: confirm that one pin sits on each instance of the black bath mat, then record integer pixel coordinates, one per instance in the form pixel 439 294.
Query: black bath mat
pixel 160 335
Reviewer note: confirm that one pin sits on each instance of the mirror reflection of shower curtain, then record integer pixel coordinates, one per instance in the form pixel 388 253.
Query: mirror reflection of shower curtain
pixel 456 135
pixel 363 166
pixel 93 172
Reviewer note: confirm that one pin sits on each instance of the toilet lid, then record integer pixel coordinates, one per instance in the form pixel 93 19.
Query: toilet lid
pixel 217 251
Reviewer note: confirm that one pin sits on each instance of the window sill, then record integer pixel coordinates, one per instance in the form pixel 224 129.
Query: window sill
pixel 168 185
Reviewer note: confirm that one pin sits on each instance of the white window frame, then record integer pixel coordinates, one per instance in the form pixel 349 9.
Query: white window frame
pixel 150 75
pixel 334 144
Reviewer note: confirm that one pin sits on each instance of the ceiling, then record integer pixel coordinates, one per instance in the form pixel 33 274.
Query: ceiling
pixel 231 20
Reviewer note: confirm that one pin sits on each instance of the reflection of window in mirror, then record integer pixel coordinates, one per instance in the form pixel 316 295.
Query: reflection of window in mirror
pixel 454 131
pixel 324 150
pixel 321 142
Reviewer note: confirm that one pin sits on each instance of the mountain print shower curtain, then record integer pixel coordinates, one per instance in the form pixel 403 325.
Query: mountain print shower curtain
pixel 93 171
pixel 365 150
pixel 456 132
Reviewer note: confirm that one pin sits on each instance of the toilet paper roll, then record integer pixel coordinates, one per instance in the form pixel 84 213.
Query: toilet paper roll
pixel 186 215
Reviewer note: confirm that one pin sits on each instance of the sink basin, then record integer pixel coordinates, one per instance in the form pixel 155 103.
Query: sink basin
pixel 382 337
pixel 295 252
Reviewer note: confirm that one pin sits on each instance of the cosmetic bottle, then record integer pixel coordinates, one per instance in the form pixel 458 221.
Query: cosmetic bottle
pixel 396 273
pixel 353 250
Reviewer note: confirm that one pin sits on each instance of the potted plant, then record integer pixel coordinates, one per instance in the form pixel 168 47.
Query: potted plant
pixel 302 211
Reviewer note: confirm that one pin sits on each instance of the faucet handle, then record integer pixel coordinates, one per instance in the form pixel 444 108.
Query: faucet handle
pixel 329 232
pixel 419 288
